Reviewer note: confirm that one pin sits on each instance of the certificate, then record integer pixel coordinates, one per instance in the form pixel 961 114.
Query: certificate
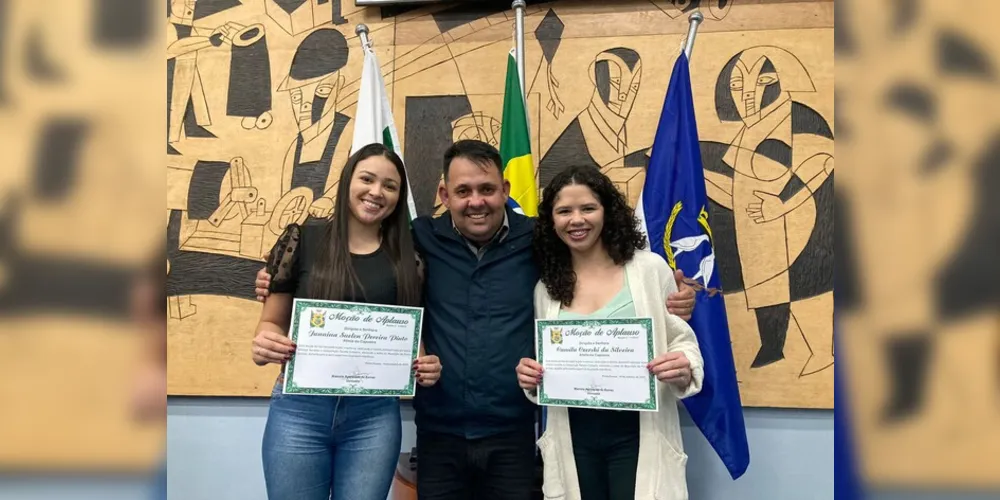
pixel 597 363
pixel 351 349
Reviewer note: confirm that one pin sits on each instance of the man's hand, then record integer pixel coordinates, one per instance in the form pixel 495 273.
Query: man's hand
pixel 679 303
pixel 672 368
pixel 529 374
pixel 262 284
pixel 428 370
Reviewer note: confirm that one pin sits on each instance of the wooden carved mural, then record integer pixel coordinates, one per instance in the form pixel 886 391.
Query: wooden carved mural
pixel 260 114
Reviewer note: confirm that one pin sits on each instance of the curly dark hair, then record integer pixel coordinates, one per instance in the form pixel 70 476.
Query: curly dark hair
pixel 621 234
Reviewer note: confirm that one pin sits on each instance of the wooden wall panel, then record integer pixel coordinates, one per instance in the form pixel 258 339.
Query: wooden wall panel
pixel 445 69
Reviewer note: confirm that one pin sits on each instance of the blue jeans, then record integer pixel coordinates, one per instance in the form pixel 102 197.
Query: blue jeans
pixel 330 447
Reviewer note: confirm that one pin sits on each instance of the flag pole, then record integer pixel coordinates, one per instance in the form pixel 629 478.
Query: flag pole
pixel 694 20
pixel 362 31
pixel 518 7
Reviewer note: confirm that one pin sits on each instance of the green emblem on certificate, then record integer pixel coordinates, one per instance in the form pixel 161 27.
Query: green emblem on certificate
pixel 318 320
pixel 556 335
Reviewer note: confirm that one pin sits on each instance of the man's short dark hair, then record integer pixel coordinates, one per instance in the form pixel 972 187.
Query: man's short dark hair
pixel 478 152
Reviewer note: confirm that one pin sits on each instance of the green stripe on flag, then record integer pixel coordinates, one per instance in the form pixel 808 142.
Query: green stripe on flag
pixel 515 145
pixel 387 138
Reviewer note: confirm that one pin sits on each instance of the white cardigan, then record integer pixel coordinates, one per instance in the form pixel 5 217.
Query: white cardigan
pixel 662 462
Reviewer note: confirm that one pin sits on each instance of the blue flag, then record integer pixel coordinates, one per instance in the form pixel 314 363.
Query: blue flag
pixel 674 209
pixel 847 483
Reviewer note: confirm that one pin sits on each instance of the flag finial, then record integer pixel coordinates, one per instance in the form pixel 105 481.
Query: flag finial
pixel 693 20
pixel 362 31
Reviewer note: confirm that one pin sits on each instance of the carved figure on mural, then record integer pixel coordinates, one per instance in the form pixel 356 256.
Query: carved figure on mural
pixel 313 85
pixel 478 126
pixel 249 94
pixel 549 35
pixel 299 16
pixel 712 9
pixel 219 229
pixel 776 175
pixel 248 97
pixel 598 135
pixel 185 91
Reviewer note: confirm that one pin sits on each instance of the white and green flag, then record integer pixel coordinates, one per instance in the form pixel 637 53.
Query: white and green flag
pixel 373 119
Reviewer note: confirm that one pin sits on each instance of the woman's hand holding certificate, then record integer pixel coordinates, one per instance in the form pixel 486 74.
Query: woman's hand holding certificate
pixel 428 369
pixel 529 374
pixel 271 347
pixel 672 368
pixel 345 348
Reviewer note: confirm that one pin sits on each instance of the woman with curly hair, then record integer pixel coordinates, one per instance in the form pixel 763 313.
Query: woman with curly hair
pixel 593 265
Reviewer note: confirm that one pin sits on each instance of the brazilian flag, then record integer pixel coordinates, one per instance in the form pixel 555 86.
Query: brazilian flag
pixel 515 146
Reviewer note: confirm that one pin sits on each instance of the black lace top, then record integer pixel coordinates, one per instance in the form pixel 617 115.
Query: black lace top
pixel 294 254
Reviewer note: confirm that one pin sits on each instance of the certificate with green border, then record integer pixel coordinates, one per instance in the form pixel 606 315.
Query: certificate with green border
pixel 352 349
pixel 597 363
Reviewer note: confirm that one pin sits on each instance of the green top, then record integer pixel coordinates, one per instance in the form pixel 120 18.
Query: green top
pixel 621 306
